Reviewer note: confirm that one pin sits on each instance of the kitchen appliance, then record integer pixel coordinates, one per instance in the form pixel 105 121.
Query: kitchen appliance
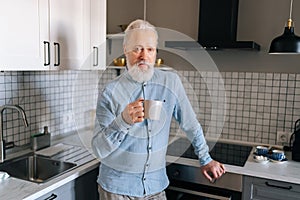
pixel 227 153
pixel 218 25
pixel 188 183
pixel 295 137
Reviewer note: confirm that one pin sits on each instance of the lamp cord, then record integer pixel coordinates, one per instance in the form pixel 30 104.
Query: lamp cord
pixel 291 8
pixel 290 21
pixel 145 9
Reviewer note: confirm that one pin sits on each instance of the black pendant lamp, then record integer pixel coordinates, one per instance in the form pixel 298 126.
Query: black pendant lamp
pixel 288 42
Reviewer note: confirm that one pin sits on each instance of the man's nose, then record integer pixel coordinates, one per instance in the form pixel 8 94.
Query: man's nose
pixel 143 54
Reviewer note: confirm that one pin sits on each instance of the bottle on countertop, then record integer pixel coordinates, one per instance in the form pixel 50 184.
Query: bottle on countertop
pixel 46 131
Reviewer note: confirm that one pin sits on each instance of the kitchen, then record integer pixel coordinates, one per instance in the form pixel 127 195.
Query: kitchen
pixel 269 84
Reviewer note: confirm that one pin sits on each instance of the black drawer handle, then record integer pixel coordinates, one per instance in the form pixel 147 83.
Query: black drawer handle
pixel 51 197
pixel 278 186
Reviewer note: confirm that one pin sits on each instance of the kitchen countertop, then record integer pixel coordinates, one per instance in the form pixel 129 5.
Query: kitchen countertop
pixel 287 171
pixel 14 189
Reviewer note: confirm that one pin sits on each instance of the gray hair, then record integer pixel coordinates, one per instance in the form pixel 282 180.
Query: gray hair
pixel 138 24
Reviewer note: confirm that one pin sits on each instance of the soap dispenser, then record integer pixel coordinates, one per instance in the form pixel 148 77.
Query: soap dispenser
pixel 40 141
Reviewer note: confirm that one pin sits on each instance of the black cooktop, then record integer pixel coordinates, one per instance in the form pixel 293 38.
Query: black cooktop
pixel 232 154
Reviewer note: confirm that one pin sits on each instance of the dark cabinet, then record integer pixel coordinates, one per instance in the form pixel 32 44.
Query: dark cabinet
pixel 86 186
pixel 266 189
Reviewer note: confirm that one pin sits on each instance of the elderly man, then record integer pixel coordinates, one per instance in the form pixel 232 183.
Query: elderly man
pixel 132 149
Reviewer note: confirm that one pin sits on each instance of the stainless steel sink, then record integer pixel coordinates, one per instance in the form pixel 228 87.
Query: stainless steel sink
pixel 35 168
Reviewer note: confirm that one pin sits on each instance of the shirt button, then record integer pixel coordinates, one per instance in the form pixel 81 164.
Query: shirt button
pixel 120 140
pixel 144 178
pixel 149 148
pixel 147 165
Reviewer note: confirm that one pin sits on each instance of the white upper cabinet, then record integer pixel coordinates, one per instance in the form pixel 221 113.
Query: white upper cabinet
pixel 96 58
pixel 22 35
pixel 51 34
pixel 69 33
pixel 98 34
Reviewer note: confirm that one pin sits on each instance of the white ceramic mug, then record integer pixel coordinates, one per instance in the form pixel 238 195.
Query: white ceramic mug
pixel 152 109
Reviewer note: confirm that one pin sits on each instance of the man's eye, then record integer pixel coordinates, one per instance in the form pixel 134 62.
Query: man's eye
pixel 137 49
pixel 150 49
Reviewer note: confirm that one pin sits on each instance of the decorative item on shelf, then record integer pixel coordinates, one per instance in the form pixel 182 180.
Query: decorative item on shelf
pixel 288 42
pixel 158 62
pixel 120 61
pixel 123 27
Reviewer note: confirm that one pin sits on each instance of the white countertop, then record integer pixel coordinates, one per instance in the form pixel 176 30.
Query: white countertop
pixel 15 189
pixel 287 171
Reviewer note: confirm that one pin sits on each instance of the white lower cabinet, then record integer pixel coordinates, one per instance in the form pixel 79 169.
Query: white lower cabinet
pixel 65 192
pixel 266 189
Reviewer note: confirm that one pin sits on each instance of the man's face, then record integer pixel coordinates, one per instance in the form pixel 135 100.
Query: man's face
pixel 141 49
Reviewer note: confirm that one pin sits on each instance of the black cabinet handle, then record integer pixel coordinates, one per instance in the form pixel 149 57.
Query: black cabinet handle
pixel 58 54
pixel 46 53
pixel 278 186
pixel 95 57
pixel 51 197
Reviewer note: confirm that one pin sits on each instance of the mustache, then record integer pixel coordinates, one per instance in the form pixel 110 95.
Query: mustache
pixel 143 63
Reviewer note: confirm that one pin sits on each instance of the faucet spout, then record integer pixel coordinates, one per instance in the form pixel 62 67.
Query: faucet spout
pixel 19 109
pixel 2 108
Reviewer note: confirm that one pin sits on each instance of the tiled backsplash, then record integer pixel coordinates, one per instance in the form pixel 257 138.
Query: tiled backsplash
pixel 257 105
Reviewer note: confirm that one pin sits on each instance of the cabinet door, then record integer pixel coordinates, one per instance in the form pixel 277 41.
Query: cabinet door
pixel 264 189
pixel 65 192
pixel 69 33
pixel 86 186
pixel 98 34
pixel 23 32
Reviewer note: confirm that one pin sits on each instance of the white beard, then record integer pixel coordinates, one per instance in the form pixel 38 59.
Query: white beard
pixel 141 75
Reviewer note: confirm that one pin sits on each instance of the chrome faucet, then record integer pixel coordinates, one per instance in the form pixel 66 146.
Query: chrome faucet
pixel 2 143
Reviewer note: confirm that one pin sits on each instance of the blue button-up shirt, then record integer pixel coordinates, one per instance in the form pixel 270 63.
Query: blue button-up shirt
pixel 133 156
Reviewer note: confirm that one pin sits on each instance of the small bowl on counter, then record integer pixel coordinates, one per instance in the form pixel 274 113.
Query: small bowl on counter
pixel 260 159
